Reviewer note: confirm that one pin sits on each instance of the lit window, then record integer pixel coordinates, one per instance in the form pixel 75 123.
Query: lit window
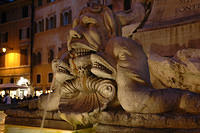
pixel 25 11
pixel 38 78
pixel 66 17
pixel 50 77
pixel 4 37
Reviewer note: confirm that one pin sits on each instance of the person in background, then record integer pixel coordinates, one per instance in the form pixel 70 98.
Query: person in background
pixel 1 99
pixel 14 100
pixel 7 99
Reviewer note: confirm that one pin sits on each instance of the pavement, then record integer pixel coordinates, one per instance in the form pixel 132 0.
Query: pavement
pixel 7 106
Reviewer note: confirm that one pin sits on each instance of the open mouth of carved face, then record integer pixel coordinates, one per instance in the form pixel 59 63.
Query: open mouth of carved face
pixel 97 65
pixel 61 71
pixel 79 52
pixel 101 68
pixel 80 49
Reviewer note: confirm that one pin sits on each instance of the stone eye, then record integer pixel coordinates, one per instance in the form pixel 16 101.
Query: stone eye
pixel 122 56
pixel 87 20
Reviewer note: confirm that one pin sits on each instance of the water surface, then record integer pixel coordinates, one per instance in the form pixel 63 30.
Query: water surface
pixel 28 129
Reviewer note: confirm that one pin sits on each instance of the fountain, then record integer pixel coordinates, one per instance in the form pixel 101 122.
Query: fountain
pixel 104 81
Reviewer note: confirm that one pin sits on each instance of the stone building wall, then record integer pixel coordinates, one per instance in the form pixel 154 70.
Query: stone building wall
pixel 167 41
pixel 171 25
pixel 12 59
pixel 51 39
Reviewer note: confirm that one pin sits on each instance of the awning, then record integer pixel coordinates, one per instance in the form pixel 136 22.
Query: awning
pixel 11 86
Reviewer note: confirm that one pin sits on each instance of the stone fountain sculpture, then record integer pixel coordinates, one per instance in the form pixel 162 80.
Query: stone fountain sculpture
pixel 105 70
pixel 105 79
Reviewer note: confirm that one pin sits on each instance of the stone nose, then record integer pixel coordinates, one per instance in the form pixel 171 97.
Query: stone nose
pixel 75 33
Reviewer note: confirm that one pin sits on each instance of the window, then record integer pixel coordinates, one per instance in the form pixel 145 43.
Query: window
pixel 127 4
pixel 28 33
pixel 66 17
pixel 36 58
pixel 20 34
pixel 24 33
pixel 4 37
pixel 39 58
pixel 1 81
pixel 2 60
pixel 24 57
pixel 40 26
pixel 50 77
pixel 12 80
pixel 50 55
pixel 39 2
pixel 25 11
pixel 51 22
pixel 3 17
pixel 50 1
pixel 38 78
pixel 35 27
pixel 110 6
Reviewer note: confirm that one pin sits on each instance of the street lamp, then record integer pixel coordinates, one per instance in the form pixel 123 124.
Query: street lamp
pixel 4 49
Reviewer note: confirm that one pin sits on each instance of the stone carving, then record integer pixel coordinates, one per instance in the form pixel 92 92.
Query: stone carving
pixel 181 71
pixel 102 67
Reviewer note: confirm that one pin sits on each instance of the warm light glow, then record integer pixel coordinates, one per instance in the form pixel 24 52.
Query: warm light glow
pixel 4 50
pixel 12 60
pixel 23 92
pixel 23 82
pixel 38 93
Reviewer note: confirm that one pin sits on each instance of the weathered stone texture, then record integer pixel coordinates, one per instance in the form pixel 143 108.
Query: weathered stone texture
pixel 57 124
pixel 167 41
pixel 38 114
pixel 34 118
pixel 159 121
pixel 182 71
pixel 117 129
pixel 170 12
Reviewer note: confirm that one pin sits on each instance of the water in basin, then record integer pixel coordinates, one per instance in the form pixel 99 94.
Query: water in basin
pixel 28 129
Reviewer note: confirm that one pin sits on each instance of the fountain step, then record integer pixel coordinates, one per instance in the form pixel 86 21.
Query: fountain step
pixel 100 128
pixel 157 123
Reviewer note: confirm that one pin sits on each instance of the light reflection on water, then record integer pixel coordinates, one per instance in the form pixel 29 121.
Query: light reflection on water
pixel 2 128
pixel 26 129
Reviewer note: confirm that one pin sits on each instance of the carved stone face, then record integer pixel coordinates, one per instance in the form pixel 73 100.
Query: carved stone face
pixel 83 91
pixel 89 34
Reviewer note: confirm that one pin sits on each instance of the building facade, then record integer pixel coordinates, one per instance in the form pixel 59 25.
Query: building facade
pixel 15 36
pixel 29 56
pixel 53 20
